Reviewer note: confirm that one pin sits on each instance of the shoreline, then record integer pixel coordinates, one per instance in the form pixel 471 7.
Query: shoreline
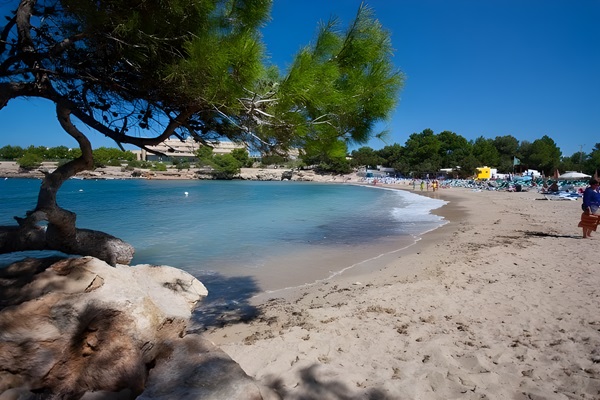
pixel 355 266
pixel 501 302
pixel 452 213
pixel 353 275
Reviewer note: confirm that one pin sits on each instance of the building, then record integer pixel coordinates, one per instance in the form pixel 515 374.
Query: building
pixel 182 149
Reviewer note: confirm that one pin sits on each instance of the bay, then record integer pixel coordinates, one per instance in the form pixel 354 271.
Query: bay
pixel 237 234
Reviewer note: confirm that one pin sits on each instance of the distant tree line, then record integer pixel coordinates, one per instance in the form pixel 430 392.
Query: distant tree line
pixel 423 153
pixel 222 166
pixel 427 152
pixel 32 157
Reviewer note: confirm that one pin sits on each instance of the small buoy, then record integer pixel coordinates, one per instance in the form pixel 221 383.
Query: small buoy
pixel 186 194
pixel 81 190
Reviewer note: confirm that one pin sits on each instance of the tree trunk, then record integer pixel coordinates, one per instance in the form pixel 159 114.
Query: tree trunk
pixel 61 232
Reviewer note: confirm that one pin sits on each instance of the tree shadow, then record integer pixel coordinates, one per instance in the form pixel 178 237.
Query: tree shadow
pixel 228 302
pixel 228 299
pixel 554 235
pixel 311 388
pixel 14 278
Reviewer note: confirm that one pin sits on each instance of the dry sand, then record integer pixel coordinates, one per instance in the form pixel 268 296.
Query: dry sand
pixel 501 303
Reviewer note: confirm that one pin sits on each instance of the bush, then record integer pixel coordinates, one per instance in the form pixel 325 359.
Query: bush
pixel 139 164
pixel 30 161
pixel 339 166
pixel 225 166
pixel 183 165
pixel 274 159
pixel 159 167
pixel 11 152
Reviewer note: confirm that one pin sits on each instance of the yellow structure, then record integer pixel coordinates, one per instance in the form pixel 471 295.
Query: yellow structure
pixel 484 173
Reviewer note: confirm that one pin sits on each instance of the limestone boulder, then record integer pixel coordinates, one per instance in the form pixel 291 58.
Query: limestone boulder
pixel 77 328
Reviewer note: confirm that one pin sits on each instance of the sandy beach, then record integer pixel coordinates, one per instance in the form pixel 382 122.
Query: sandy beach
pixel 503 302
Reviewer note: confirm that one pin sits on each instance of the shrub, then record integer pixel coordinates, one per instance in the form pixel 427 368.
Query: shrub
pixel 183 165
pixel 30 161
pixel 159 167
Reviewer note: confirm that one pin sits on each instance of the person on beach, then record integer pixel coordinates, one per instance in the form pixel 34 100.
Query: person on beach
pixel 422 185
pixel 591 209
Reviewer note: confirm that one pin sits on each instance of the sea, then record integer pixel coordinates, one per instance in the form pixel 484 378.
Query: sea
pixel 241 237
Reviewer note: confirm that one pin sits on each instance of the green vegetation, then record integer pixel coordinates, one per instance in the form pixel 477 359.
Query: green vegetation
pixel 11 153
pixel 223 166
pixel 242 156
pixel 422 153
pixel 139 164
pixel 427 152
pixel 181 164
pixel 104 156
pixel 30 161
pixel 158 167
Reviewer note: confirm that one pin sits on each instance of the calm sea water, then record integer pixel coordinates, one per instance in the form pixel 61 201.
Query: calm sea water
pixel 281 233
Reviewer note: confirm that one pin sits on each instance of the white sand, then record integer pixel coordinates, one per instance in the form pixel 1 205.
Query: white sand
pixel 501 303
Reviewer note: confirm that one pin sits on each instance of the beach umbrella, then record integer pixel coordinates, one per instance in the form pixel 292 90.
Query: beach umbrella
pixel 572 175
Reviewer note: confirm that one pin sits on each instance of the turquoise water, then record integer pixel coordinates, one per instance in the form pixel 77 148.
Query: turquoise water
pixel 239 228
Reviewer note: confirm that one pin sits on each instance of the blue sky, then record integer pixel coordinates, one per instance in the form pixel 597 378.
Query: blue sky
pixel 487 68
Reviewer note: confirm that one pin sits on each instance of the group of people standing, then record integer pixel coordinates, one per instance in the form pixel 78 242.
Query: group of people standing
pixel 434 184
pixel 591 208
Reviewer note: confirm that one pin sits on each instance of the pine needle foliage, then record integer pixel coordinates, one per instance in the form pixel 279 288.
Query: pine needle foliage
pixel 142 71
pixel 338 88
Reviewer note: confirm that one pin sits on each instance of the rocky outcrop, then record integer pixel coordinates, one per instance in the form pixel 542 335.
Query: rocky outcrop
pixel 281 174
pixel 262 174
pixel 78 328
pixel 10 169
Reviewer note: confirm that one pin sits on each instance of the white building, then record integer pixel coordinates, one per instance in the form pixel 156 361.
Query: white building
pixel 175 148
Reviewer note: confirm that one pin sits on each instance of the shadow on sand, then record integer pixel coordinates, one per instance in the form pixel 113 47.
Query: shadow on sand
pixel 311 387
pixel 554 235
pixel 228 301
